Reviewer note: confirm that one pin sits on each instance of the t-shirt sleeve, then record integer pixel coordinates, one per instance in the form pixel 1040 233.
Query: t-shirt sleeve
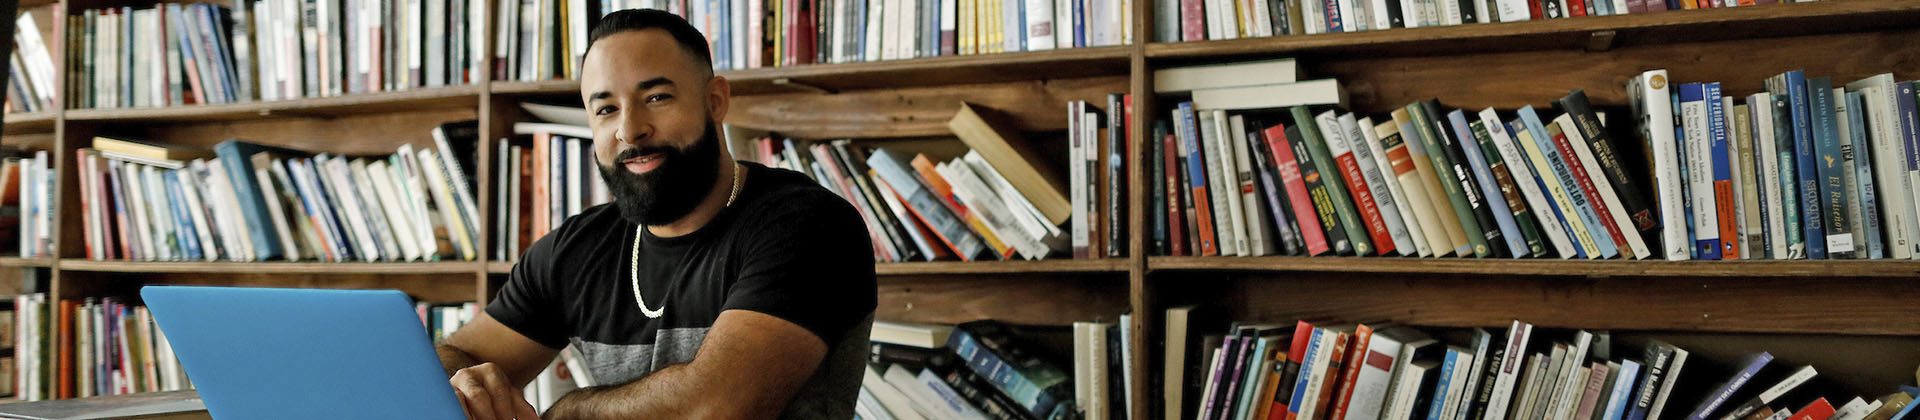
pixel 530 303
pixel 809 263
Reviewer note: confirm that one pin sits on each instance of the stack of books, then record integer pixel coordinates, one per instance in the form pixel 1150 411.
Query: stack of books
pixel 30 81
pixel 26 201
pixel 988 370
pixel 256 202
pixel 546 39
pixel 92 347
pixel 181 54
pixel 1439 182
pixel 998 201
pixel 1368 371
pixel 1203 20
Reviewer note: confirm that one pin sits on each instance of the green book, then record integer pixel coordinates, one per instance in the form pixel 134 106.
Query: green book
pixel 1523 216
pixel 1444 167
pixel 1330 174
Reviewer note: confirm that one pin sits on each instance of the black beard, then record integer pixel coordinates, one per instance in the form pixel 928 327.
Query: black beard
pixel 669 192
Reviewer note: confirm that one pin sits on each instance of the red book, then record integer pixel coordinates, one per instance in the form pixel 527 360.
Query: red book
pixel 1576 7
pixel 1193 26
pixel 1363 199
pixel 1362 338
pixel 1336 364
pixel 1176 228
pixel 1593 195
pixel 1296 190
pixel 1533 9
pixel 1819 409
pixel 807 29
pixel 1302 337
pixel 67 308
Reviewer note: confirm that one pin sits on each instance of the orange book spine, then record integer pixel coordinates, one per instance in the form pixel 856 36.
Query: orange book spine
pixel 1332 372
pixel 1362 337
pixel 1729 225
pixel 65 390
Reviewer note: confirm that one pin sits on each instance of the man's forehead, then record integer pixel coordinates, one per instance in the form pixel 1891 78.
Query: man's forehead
pixel 634 60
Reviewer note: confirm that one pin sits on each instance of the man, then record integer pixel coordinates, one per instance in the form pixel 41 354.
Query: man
pixel 708 289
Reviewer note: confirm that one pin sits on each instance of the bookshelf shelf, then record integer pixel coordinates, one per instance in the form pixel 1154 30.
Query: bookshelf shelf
pixel 31 122
pixel 1111 265
pixel 1540 267
pixel 936 71
pixel 1581 33
pixel 16 262
pixel 85 265
pixel 500 267
pixel 466 96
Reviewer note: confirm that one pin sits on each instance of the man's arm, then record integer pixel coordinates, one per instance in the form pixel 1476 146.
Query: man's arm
pixel 488 364
pixel 749 367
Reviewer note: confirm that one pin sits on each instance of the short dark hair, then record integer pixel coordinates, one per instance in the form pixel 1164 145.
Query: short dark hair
pixel 683 33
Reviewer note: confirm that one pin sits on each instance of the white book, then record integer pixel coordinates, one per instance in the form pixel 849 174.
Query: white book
pixel 1322 356
pixel 1746 221
pixel 190 194
pixel 891 29
pixel 1062 23
pixel 1079 147
pixel 340 179
pixel 1700 170
pixel 972 191
pixel 1571 385
pixel 1041 27
pixel 1517 164
pixel 875 32
pixel 381 228
pixel 1895 191
pixel 896 403
pixel 1371 386
pixel 513 203
pixel 160 214
pixel 1257 241
pixel 391 205
pixel 1480 12
pixel 266 19
pixel 1262 19
pixel 1856 223
pixel 410 183
pixel 1649 94
pixel 1391 180
pixel 1236 175
pixel 1510 370
pixel 1666 385
pixel 1212 76
pixel 1450 12
pixel 1765 157
pixel 922 398
pixel 141 233
pixel 1358 139
pixel 227 215
pixel 1349 17
pixel 1027 216
pixel 309 245
pixel 1229 235
pixel 1311 92
pixel 1615 210
pixel 576 182
pixel 1456 396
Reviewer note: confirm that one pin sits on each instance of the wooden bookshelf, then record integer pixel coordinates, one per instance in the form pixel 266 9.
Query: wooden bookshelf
pixel 1806 304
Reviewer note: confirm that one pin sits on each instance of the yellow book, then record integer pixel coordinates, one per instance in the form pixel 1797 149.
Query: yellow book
pixel 1430 181
pixel 147 150
pixel 1554 188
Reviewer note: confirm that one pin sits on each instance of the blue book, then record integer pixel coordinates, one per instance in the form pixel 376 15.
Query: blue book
pixel 216 43
pixel 1867 243
pixel 989 349
pixel 236 157
pixel 316 193
pixel 183 221
pixel 926 206
pixel 1251 378
pixel 1189 124
pixel 1489 188
pixel 119 211
pixel 1721 129
pixel 1907 101
pixel 1436 410
pixel 1749 367
pixel 316 211
pixel 1079 24
pixel 1558 165
pixel 1516 126
pixel 1805 157
pixel 1905 413
pixel 1787 180
pixel 1706 234
pixel 1622 390
pixel 1686 186
pixel 1832 171
pixel 1306 364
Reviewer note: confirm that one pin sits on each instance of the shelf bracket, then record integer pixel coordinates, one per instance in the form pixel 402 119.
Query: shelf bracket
pixel 789 82
pixel 1601 41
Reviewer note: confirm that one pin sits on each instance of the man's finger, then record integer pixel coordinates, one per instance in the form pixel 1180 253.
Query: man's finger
pixel 524 411
pixel 476 398
pixel 497 392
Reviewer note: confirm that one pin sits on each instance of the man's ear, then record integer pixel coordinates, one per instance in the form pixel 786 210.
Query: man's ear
pixel 719 97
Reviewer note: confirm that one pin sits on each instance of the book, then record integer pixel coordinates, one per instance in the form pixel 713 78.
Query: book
pixel 1648 95
pixel 1449 181
pixel 1670 378
pixel 1602 195
pixel 1772 394
pixel 1213 76
pixel 1492 191
pixel 1556 172
pixel 1606 153
pixel 1221 184
pixel 1862 207
pixel 1448 221
pixel 1186 123
pixel 1334 199
pixel 1812 213
pixel 1452 138
pixel 1749 366
pixel 1340 145
pixel 1390 188
pixel 1271 96
pixel 1037 385
pixel 1886 149
pixel 1540 217
pixel 1009 153
pixel 1306 219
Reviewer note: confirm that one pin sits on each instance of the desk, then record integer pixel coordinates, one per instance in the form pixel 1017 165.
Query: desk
pixel 177 405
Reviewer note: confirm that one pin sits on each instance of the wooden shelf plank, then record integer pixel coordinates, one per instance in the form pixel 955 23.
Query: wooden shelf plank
pixel 457 267
pixel 30 122
pixel 11 262
pixel 467 96
pixel 500 267
pixel 1531 267
pixel 1581 33
pixel 1109 265
pixel 934 71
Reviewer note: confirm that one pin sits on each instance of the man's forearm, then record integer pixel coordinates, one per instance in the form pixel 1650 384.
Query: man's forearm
pixel 669 393
pixel 454 359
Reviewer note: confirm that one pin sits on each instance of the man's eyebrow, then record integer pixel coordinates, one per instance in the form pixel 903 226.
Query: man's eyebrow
pixel 643 85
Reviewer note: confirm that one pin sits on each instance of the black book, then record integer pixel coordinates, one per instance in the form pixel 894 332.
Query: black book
pixel 1607 154
pixel 854 162
pixel 1445 136
pixel 1268 188
pixel 1116 174
pixel 907 356
pixel 1157 196
pixel 1496 355
pixel 1322 203
pixel 976 390
pixel 1116 382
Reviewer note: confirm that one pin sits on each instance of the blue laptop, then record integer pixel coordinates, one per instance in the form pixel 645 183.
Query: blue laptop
pixel 304 353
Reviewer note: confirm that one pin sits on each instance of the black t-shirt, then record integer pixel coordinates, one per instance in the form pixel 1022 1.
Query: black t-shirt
pixel 786 247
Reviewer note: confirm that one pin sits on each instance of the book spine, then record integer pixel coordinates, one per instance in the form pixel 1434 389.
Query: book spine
pixel 1228 237
pixel 1366 151
pixel 1538 216
pixel 1695 112
pixel 1336 197
pixel 1586 194
pixel 1302 384
pixel 1157 209
pixel 1316 192
pixel 1270 183
pixel 1719 132
pixel 1001 374
pixel 1119 124
pixel 1436 410
pixel 1396 155
pixel 1449 180
pixel 1785 181
pixel 1606 152
pixel 1350 372
pixel 1452 138
pixel 1188 123
pixel 1297 194
pixel 1832 175
pixel 1471 137
pixel 1906 101
pixel 1343 155
pixel 1812 214
pixel 1175 216
pixel 1657 361
pixel 1863 200
pixel 1720 396
pixel 1530 134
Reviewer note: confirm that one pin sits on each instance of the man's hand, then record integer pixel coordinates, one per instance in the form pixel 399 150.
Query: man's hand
pixel 486 394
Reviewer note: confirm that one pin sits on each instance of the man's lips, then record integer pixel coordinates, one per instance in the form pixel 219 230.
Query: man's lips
pixel 644 163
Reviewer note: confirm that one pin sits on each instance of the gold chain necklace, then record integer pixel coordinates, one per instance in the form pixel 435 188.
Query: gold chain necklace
pixel 634 271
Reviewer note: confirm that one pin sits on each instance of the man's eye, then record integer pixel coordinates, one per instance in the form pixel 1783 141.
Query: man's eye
pixel 603 110
pixel 659 97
